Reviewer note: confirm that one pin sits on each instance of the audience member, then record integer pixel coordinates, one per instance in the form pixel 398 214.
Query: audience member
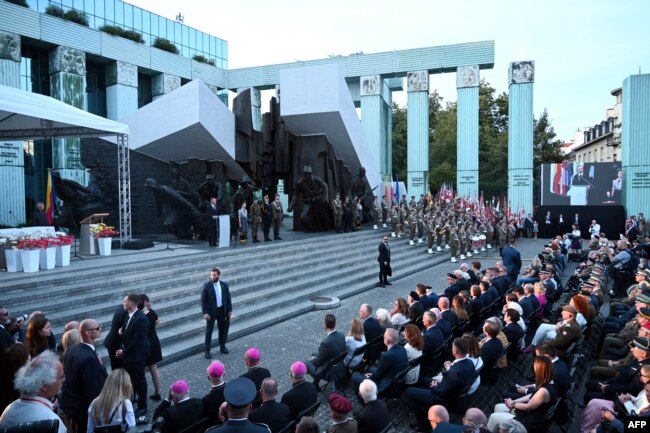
pixel 391 362
pixel 113 404
pixel 413 347
pixel 255 372
pixel 302 394
pixel 213 399
pixel 178 410
pixel 340 407
pixel 332 346
pixel 239 394
pixel 439 420
pixel 11 360
pixel 275 415
pixel 307 425
pixel 38 331
pixel 374 415
pixel 353 341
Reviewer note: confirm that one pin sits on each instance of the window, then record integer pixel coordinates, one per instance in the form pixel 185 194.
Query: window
pixel 109 10
pixel 128 15
pixel 99 8
pixel 146 22
pixel 137 19
pixel 119 12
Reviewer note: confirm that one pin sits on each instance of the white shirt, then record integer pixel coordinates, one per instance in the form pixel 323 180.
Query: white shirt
pixel 117 416
pixel 217 292
pixel 29 408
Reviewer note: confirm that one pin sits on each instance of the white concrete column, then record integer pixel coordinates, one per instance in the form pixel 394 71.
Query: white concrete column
pixel 162 84
pixel 121 89
pixel 417 133
pixel 467 83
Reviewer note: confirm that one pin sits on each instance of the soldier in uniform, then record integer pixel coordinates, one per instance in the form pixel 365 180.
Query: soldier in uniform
pixel 412 225
pixel 376 214
pixel 453 243
pixel 489 233
pixel 404 218
pixel 448 226
pixel 384 211
pixel 394 221
pixel 431 228
pixel 420 223
pixel 255 219
pixel 278 215
pixel 462 240
pixel 267 217
pixel 337 211
pixel 512 232
pixel 468 239
pixel 347 214
pixel 239 393
pixel 502 231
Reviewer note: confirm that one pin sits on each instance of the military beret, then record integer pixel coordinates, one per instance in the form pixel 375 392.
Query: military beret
pixel 340 404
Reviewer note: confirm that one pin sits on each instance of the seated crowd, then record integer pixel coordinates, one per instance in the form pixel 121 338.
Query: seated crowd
pixel 435 351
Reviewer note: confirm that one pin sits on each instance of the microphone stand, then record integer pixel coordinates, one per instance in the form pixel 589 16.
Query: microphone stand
pixel 76 240
pixel 167 248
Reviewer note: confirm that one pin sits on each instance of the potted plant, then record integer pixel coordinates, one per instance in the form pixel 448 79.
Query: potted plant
pixel 62 241
pixel 104 235
pixel 13 262
pixel 30 252
pixel 165 45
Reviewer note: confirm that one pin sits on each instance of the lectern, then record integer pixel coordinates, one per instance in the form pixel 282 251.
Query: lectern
pixel 87 242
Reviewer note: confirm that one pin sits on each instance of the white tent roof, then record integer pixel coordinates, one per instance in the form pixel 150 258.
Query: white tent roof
pixel 27 116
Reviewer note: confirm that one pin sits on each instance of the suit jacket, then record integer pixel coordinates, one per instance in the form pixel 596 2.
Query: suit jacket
pixel 492 290
pixel 391 362
pixel 300 397
pixel 454 380
pixel 135 340
pixel 179 416
pixel 512 261
pixel 451 291
pixel 39 219
pixel 463 284
pixel 561 377
pixel 373 417
pixel 534 302
pixel 490 354
pixel 486 299
pixel 330 347
pixel 445 427
pixel 445 328
pixel 450 316
pixel 211 403
pixel 372 328
pixel 113 339
pixel 84 380
pixel 5 339
pixel 384 253
pixel 273 414
pixel 239 426
pixel 566 335
pixel 501 282
pixel 212 212
pixel 527 306
pixel 416 310
pixel 513 332
pixel 476 304
pixel 209 298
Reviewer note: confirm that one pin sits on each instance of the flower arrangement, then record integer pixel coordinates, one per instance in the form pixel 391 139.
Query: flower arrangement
pixel 61 238
pixel 8 242
pixel 33 243
pixel 104 231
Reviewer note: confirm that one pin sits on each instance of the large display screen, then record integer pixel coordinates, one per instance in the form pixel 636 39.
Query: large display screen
pixel 581 184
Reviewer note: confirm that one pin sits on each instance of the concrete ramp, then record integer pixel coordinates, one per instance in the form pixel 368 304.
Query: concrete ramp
pixel 316 100
pixel 190 122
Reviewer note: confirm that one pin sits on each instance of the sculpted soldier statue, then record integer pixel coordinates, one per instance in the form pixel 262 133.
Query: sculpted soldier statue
pixel 312 192
pixel 337 212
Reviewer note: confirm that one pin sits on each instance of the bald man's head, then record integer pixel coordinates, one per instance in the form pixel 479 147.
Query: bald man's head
pixel 438 414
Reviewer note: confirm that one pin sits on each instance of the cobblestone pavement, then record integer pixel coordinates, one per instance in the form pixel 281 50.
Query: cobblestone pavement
pixel 296 339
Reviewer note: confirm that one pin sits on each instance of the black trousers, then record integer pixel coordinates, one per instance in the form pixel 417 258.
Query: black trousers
pixel 212 232
pixel 223 325
pixel 267 228
pixel 139 381
pixel 383 273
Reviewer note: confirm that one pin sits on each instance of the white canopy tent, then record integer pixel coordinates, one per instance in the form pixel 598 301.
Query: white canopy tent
pixel 30 116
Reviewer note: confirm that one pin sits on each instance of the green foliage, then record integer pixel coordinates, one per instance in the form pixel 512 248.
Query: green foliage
pixel 165 45
pixel 76 17
pixel 203 59
pixel 399 142
pixel 119 31
pixel 54 10
pixel 22 3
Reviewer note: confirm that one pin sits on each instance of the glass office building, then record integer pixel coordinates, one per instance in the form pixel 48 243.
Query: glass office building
pixel 189 41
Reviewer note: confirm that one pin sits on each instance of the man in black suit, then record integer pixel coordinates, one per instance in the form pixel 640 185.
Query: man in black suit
pixel 371 327
pixel 39 219
pixel 273 414
pixel 135 349
pixel 384 262
pixel 302 393
pixel 452 286
pixel 332 346
pixel 391 362
pixel 374 414
pixel 416 310
pixel 216 304
pixel 529 291
pixel 433 341
pixel 447 314
pixel 212 215
pixel 511 260
pixel 85 376
pixel 178 410
pixel 524 302
pixel 113 340
pixel 446 393
pixel 255 372
pixel 213 400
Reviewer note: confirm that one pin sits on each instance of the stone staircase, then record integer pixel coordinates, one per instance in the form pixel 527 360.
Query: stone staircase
pixel 269 283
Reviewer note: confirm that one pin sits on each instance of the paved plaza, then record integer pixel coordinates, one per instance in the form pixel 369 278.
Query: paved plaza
pixel 296 339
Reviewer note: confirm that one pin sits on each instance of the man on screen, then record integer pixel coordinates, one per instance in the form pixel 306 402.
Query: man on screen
pixel 581 178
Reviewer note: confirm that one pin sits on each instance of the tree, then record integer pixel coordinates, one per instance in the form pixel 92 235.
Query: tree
pixel 399 142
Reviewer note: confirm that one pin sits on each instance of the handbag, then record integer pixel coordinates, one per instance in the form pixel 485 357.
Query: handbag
pixel 389 271
pixel 114 427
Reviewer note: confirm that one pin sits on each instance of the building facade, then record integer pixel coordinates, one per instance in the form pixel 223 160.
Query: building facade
pixel 602 142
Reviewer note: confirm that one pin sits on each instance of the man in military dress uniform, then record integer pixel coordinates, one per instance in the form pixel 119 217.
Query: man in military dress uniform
pixel 462 240
pixel 376 214
pixel 431 228
pixel 337 211
pixel 239 394
pixel 255 218
pixel 412 225
pixel 489 233
pixel 453 243
pixel 384 211
pixel 404 218
pixel 394 221
pixel 278 215
pixel 420 224
pixel 267 217
pixel 502 230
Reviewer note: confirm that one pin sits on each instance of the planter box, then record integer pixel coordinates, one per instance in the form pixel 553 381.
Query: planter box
pixel 14 262
pixel 105 245
pixel 63 255
pixel 30 260
pixel 48 257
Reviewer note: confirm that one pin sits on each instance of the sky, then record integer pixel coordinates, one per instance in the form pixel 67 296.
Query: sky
pixel 583 49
